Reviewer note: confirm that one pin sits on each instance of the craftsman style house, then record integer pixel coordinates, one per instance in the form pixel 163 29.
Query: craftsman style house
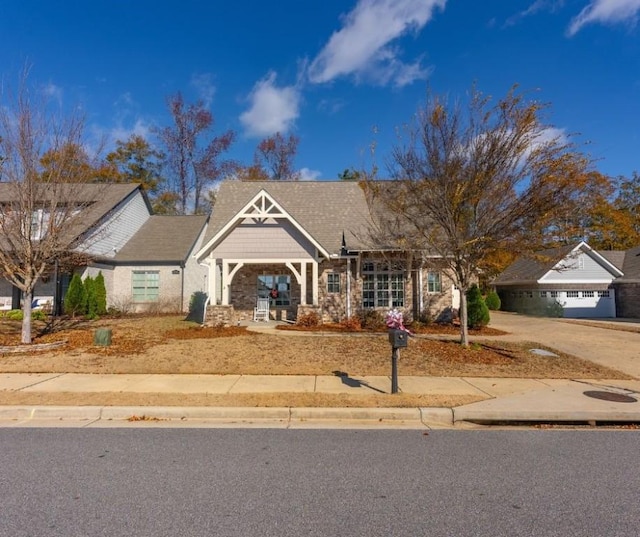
pixel 306 247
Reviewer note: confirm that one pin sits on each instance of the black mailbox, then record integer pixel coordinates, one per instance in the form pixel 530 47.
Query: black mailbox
pixel 398 338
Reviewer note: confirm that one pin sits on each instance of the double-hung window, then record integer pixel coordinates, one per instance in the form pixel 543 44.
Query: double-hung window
pixel 382 285
pixel 145 285
pixel 333 282
pixel 434 282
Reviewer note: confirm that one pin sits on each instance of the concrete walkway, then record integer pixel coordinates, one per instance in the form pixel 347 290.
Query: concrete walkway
pixel 505 400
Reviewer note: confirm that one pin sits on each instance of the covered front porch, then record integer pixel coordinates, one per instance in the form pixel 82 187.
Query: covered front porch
pixel 290 286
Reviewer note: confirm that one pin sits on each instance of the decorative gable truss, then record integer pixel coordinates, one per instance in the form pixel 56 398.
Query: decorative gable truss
pixel 261 211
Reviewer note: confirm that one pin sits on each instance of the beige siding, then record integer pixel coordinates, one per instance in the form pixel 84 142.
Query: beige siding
pixel 170 289
pixel 264 241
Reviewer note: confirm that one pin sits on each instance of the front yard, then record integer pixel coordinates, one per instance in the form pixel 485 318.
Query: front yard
pixel 148 345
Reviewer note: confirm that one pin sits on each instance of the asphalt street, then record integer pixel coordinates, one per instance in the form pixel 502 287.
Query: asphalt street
pixel 263 482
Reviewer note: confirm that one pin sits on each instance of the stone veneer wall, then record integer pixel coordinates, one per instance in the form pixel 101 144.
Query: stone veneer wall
pixel 628 299
pixel 220 316
pixel 244 289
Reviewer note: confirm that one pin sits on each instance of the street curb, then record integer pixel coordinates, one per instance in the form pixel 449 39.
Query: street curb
pixel 487 416
pixel 420 417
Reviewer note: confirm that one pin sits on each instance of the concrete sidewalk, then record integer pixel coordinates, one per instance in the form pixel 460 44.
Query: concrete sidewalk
pixel 504 400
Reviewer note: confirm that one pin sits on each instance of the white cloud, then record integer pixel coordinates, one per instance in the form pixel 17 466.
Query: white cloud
pixel 51 91
pixel 202 82
pixel 361 47
pixel 309 175
pixel 273 109
pixel 120 132
pixel 535 8
pixel 605 12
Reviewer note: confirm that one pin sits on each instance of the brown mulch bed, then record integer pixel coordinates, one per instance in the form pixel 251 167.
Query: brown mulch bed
pixel 433 329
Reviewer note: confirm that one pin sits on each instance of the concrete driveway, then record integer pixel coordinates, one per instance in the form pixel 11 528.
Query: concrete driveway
pixel 603 345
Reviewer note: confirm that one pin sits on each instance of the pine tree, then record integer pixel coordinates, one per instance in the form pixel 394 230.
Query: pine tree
pixel 101 294
pixel 75 301
pixel 477 311
pixel 92 301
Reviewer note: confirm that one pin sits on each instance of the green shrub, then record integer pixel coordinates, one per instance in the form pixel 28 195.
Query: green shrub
pixel 15 315
pixel 477 311
pixel 39 315
pixel 75 301
pixel 92 300
pixel 492 301
pixel 101 294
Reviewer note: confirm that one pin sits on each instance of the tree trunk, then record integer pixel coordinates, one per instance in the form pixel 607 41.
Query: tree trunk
pixel 464 331
pixel 26 317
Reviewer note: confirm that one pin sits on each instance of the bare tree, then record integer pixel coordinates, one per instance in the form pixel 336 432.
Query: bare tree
pixel 273 160
pixel 471 181
pixel 194 167
pixel 39 211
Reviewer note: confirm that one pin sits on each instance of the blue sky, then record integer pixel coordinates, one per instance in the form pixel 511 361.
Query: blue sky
pixel 340 74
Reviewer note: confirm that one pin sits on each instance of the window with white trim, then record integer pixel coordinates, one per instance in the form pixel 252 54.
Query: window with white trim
pixel 588 294
pixel 434 282
pixel 573 294
pixel 603 294
pixel 145 285
pixel 333 282
pixel 382 285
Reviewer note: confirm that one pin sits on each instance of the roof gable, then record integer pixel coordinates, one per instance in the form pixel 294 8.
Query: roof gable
pixel 261 208
pixel 549 263
pixel 323 211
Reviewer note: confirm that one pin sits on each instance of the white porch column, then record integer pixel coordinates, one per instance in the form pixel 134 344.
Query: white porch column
pixel 225 283
pixel 303 283
pixel 314 282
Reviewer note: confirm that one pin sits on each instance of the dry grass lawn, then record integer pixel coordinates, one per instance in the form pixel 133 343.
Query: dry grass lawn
pixel 171 345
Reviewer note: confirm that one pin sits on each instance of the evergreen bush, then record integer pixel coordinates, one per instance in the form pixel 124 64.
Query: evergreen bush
pixel 493 301
pixel 477 311
pixel 91 308
pixel 101 294
pixel 75 301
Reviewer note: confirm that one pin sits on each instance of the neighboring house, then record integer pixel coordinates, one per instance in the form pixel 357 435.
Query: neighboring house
pixel 627 287
pixel 584 281
pixel 305 246
pixel 146 260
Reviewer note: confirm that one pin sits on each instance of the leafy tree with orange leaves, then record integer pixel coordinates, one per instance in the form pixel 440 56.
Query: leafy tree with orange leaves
pixel 471 181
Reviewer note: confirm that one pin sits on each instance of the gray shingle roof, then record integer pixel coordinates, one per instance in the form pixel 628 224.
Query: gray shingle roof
pixel 163 239
pixel 96 201
pixel 631 267
pixel 531 269
pixel 325 209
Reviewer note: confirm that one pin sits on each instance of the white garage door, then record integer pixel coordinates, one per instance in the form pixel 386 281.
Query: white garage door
pixel 579 304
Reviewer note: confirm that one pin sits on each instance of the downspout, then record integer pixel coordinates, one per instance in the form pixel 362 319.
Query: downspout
pixel 206 302
pixel 348 287
pixel 420 289
pixel 182 266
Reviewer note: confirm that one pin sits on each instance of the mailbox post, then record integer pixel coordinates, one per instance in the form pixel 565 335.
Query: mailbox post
pixel 398 340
